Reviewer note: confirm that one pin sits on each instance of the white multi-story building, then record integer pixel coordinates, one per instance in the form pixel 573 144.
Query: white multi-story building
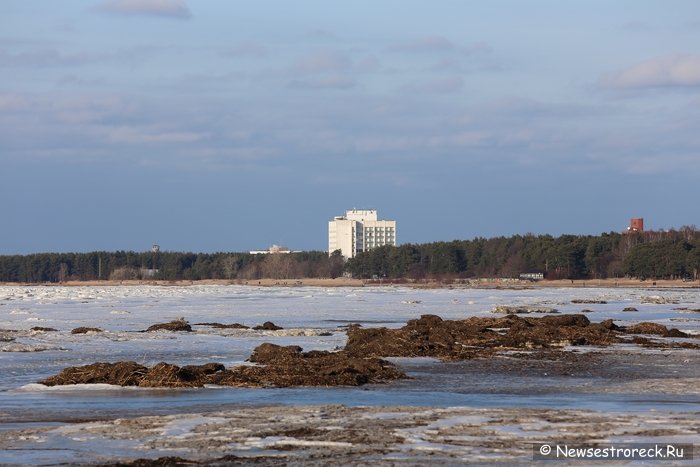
pixel 359 230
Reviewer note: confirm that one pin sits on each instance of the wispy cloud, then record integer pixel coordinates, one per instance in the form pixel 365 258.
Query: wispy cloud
pixel 325 69
pixel 320 35
pixel 445 85
pixel 328 82
pixel 325 61
pixel 53 58
pixel 673 71
pixel 437 43
pixel 198 79
pixel 426 44
pixel 163 8
pixel 13 102
pixel 135 135
pixel 460 65
pixel 637 26
pixel 77 81
pixel 47 58
pixel 244 49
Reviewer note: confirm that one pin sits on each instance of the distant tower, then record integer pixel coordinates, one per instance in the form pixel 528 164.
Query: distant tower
pixel 155 255
pixel 636 225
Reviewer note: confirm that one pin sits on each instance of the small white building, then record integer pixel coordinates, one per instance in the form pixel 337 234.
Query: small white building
pixel 359 230
pixel 273 249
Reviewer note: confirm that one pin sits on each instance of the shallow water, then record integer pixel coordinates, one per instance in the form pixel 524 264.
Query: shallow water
pixel 308 314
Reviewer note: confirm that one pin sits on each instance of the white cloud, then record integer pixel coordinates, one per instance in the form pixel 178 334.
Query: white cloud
pixel 13 103
pixel 675 71
pixel 165 8
pixel 436 43
pixel 245 49
pixel 131 135
pixel 447 84
pixel 47 58
pixel 426 44
pixel 328 82
pixel 77 81
pixel 320 35
pixel 53 58
pixel 325 61
pixel 328 69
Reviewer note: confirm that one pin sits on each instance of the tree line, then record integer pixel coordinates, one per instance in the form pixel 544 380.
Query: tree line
pixel 669 254
pixel 673 254
pixel 130 265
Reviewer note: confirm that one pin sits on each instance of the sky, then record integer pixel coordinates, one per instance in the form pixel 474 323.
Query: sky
pixel 219 125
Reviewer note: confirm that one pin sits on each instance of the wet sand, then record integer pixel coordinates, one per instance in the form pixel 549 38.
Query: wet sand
pixel 338 435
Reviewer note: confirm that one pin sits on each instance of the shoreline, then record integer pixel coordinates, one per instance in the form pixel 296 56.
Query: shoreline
pixel 483 283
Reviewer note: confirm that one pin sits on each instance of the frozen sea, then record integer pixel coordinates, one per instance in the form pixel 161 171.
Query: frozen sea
pixel 313 318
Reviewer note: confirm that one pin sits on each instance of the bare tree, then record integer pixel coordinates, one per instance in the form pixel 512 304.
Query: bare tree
pixel 279 266
pixel 230 266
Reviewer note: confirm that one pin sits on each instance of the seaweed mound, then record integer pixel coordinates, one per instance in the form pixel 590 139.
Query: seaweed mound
pixel 174 325
pixel 361 360
pixel 224 326
pixel 84 330
pixel 267 326
pixel 431 336
pixel 522 309
pixel 168 461
pixel 280 367
pixel 654 328
pixel 284 366
pixel 133 374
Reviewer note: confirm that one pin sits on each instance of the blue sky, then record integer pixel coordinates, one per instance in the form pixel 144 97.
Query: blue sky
pixel 215 125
